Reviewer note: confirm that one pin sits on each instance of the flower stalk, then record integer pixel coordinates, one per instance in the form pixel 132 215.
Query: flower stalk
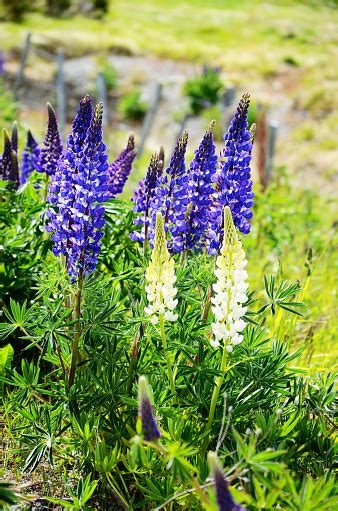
pixel 227 302
pixel 77 335
pixel 167 357
pixel 161 292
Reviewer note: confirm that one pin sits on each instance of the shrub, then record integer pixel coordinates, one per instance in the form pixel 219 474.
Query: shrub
pixel 101 5
pixel 203 90
pixel 57 7
pixel 15 10
pixel 132 107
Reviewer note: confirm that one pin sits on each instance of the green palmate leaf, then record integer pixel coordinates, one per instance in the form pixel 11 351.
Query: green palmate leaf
pixel 280 297
pixel 6 330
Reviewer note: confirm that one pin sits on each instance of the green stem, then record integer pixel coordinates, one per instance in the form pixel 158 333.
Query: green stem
pixel 167 357
pixel 207 305
pixel 215 394
pixel 45 191
pixel 77 335
pixel 133 357
pixel 183 257
pixel 145 242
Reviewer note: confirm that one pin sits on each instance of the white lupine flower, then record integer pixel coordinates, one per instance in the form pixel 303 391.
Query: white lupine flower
pixel 230 289
pixel 160 276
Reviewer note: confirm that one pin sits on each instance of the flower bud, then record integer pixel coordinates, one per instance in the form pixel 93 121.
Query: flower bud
pixel 150 429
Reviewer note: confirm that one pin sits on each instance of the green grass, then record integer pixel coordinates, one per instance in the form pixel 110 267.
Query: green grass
pixel 245 37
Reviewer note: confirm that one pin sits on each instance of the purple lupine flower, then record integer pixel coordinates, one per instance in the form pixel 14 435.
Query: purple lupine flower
pixel 233 183
pixel 74 145
pixel 6 158
pixel 143 196
pixel 13 174
pixel 2 64
pixel 51 152
pixel 120 169
pixel 201 176
pixel 172 196
pixel 9 170
pixel 14 137
pixel 81 187
pixel 145 411
pixel 81 124
pixel 223 496
pixel 29 157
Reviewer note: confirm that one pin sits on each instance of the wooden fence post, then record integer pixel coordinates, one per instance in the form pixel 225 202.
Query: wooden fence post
pixel 23 60
pixel 60 93
pixel 261 144
pixel 270 151
pixel 183 124
pixel 102 94
pixel 148 120
pixel 228 97
pixel 227 102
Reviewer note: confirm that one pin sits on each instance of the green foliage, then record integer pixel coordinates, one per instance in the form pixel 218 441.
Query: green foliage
pixel 79 497
pixel 15 10
pixel 273 422
pixel 132 107
pixel 101 5
pixel 57 7
pixel 203 90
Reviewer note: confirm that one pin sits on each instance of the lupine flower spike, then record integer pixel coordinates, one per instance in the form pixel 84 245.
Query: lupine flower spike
pixel 6 158
pixel 51 152
pixel 143 197
pixel 120 169
pixel 29 157
pixel 230 288
pixel 160 276
pixel 69 162
pixel 13 175
pixel 233 183
pixel 14 137
pixel 150 430
pixel 201 176
pixel 80 125
pixel 223 496
pixel 172 197
pixel 9 170
pixel 81 187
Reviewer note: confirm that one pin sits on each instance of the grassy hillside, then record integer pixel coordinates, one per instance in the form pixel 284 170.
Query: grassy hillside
pixel 284 52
